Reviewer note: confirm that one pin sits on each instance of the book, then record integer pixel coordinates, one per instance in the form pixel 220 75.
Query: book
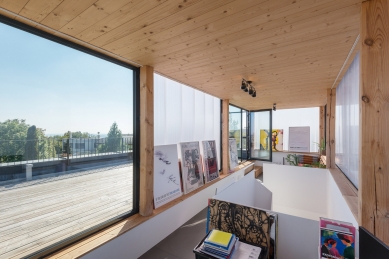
pixel 218 253
pixel 219 239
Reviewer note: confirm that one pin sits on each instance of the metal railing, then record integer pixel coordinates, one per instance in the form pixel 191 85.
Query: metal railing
pixel 51 149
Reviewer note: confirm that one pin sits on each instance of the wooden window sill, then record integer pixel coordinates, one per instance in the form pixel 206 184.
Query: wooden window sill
pixel 348 190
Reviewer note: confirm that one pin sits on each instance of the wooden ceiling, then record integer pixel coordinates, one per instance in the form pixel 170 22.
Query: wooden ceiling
pixel 292 50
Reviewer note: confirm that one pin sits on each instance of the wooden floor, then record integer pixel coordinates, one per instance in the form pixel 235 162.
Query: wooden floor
pixel 36 216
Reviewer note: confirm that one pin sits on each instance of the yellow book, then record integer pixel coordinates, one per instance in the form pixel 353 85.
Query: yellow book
pixel 220 238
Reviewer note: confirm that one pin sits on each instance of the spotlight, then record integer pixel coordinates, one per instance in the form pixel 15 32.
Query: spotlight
pixel 274 107
pixel 247 87
pixel 243 87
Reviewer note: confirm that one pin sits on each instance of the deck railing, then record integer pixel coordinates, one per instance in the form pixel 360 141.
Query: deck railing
pixel 50 149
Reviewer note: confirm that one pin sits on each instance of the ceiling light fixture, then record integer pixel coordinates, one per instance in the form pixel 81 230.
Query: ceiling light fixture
pixel 247 87
pixel 274 107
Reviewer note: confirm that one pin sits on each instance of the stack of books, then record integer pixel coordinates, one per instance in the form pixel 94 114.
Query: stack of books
pixel 219 244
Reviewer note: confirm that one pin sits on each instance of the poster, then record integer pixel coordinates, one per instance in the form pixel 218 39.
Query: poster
pixel 211 170
pixel 277 140
pixel 234 161
pixel 191 168
pixel 299 139
pixel 167 185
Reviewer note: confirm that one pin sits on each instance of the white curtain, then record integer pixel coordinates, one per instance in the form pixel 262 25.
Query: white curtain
pixel 283 119
pixel 347 123
pixel 182 114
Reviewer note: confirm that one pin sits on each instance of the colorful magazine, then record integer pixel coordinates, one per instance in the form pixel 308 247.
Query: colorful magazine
pixel 191 167
pixel 336 244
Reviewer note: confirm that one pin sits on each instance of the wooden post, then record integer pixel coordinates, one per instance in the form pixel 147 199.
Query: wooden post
pixel 373 189
pixel 146 141
pixel 225 136
pixel 321 125
pixel 330 130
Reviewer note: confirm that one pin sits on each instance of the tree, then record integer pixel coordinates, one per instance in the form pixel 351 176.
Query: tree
pixel 114 138
pixel 31 148
pixel 13 135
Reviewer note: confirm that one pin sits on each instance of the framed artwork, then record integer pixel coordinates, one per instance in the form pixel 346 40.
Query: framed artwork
pixel 191 168
pixel 167 185
pixel 211 170
pixel 277 140
pixel 234 161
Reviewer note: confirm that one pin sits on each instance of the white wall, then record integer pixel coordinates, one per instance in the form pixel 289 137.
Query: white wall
pixel 139 240
pixel 309 193
pixel 283 119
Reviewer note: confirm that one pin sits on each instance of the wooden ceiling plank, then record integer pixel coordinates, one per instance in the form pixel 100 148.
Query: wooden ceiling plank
pixel 99 11
pixel 258 64
pixel 312 47
pixel 37 10
pixel 268 45
pixel 257 24
pixel 14 6
pixel 105 23
pixel 65 12
pixel 261 13
pixel 144 20
pixel 165 29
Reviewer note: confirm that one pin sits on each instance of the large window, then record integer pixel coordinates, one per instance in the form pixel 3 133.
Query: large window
pixel 347 123
pixel 68 158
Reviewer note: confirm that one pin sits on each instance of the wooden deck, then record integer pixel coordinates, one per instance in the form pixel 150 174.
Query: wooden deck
pixel 36 216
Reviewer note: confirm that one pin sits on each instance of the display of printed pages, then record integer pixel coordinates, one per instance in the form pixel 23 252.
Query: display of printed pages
pixel 234 161
pixel 167 185
pixel 336 239
pixel 219 244
pixel 192 171
pixel 211 171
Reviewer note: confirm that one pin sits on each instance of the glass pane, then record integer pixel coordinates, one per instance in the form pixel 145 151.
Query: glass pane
pixel 235 127
pixel 260 135
pixel 66 134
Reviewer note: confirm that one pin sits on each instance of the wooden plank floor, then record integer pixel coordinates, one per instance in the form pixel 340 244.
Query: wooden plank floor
pixel 35 216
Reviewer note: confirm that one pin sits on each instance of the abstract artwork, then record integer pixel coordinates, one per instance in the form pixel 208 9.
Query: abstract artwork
pixel 277 140
pixel 192 171
pixel 211 171
pixel 249 224
pixel 167 185
pixel 234 161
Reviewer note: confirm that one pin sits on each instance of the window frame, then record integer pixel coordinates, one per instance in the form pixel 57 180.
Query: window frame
pixel 241 132
pixel 271 128
pixel 136 133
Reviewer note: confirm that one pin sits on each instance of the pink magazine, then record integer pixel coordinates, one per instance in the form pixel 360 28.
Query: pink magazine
pixel 337 225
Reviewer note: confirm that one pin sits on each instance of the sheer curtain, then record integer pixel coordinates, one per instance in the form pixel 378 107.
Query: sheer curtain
pixel 182 113
pixel 347 123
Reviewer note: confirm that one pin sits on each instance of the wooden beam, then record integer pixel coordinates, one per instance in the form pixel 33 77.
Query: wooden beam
pixel 146 140
pixel 373 209
pixel 321 124
pixel 330 130
pixel 225 136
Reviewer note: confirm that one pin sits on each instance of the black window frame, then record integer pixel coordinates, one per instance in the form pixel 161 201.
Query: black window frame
pixel 271 129
pixel 136 133
pixel 241 132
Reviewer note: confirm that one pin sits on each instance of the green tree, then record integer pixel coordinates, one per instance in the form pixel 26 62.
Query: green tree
pixel 114 138
pixel 31 148
pixel 13 135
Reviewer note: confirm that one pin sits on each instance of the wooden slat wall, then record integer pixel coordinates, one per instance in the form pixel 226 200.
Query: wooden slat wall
pixel 330 131
pixel 374 119
pixel 146 199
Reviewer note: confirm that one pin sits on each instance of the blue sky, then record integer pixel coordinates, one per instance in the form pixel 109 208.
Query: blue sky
pixel 60 89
